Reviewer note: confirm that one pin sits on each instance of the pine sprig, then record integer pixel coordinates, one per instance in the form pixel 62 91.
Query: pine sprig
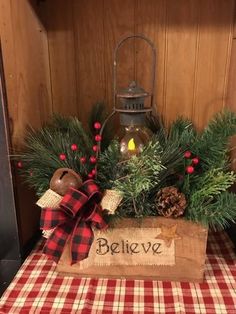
pixel 174 142
pixel 183 132
pixel 206 195
pixel 213 182
pixel 43 147
pixel 218 214
pixel 109 166
pixel 141 171
pixel 140 175
pixel 222 211
pixel 139 178
pixel 212 143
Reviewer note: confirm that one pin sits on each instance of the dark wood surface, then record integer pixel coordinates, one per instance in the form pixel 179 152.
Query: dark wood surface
pixel 232 234
pixel 10 256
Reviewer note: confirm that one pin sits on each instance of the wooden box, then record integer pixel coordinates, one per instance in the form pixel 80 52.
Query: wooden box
pixel 151 248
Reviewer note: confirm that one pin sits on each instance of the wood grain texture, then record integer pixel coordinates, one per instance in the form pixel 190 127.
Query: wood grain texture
pixel 231 92
pixel 118 24
pixel 148 14
pixel 58 17
pixel 89 37
pixel 190 253
pixel 26 66
pixel 193 40
pixel 181 54
pixel 25 55
pixel 9 239
pixel 214 46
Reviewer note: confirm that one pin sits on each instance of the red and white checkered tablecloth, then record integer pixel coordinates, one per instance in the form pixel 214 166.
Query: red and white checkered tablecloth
pixel 38 288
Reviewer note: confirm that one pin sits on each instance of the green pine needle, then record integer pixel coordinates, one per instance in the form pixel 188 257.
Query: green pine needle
pixel 139 178
pixel 43 147
pixel 212 144
pixel 133 178
pixel 205 196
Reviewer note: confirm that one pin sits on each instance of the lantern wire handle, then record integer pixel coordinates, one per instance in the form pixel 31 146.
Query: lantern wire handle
pixel 119 44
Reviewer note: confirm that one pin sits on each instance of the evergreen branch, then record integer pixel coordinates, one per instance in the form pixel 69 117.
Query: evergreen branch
pixel 108 166
pixel 156 125
pixel 213 182
pixel 217 214
pixel 174 142
pixel 208 189
pixel 212 144
pixel 141 176
pixel 183 132
pixel 43 147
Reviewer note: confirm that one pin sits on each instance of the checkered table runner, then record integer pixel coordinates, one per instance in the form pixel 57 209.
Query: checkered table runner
pixel 38 288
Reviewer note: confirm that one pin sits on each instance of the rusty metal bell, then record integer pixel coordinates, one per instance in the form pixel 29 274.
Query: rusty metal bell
pixel 63 179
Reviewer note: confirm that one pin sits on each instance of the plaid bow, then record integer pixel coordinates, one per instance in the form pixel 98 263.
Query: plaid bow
pixel 73 220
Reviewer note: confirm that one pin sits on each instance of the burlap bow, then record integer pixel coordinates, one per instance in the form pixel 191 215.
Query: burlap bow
pixel 79 210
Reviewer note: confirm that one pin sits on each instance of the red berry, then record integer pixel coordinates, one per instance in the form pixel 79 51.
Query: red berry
pixel 98 138
pixel 187 154
pixel 95 148
pixel 93 159
pixel 97 125
pixel 94 172
pixel 83 160
pixel 62 156
pixel 195 160
pixel 74 147
pixel 190 169
pixel 19 164
pixel 90 175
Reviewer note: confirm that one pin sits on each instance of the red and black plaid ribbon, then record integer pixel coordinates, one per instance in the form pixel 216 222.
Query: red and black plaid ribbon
pixel 73 220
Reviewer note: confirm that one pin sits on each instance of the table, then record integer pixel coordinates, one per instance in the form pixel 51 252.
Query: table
pixel 38 288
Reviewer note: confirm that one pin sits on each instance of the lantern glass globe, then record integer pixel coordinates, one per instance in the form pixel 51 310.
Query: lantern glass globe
pixel 133 139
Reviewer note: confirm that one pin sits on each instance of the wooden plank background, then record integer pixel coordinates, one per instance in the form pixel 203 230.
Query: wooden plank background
pixel 26 66
pixel 193 40
pixel 58 56
pixel 61 59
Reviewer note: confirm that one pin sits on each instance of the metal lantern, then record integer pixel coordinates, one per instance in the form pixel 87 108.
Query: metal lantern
pixel 131 105
pixel 133 96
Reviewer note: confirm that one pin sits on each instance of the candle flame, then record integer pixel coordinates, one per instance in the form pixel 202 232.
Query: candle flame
pixel 131 144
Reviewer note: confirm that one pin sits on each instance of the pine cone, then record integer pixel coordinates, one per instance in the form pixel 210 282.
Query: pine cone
pixel 170 202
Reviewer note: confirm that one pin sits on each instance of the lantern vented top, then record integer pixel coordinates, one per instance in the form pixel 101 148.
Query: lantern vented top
pixel 133 91
pixel 132 98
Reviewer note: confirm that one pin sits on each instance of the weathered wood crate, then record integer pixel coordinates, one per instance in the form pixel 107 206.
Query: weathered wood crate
pixel 151 248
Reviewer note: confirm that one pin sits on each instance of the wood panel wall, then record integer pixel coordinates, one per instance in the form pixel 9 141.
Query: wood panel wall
pixel 231 92
pixel 193 41
pixel 26 66
pixel 58 57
